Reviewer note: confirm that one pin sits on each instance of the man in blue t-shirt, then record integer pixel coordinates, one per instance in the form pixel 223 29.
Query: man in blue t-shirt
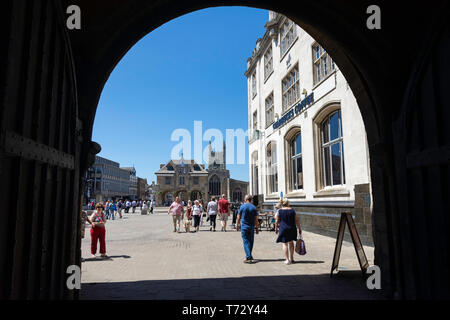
pixel 247 219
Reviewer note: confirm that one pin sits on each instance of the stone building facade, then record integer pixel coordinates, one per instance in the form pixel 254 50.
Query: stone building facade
pixel 190 180
pixel 133 190
pixel 307 140
pixel 142 188
pixel 106 180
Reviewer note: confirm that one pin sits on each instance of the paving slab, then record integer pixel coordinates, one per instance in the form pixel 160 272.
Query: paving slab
pixel 149 261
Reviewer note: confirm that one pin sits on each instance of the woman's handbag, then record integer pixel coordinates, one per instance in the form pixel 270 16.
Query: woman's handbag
pixel 300 247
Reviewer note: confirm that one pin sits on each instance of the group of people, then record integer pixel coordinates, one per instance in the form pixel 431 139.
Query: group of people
pixel 114 207
pixel 286 222
pixel 196 212
pixel 286 225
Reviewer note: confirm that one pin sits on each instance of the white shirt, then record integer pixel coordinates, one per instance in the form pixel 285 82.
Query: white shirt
pixel 212 208
pixel 197 210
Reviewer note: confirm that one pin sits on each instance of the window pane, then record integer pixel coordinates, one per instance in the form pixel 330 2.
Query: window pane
pixel 325 131
pixel 274 155
pixel 334 126
pixel 298 144
pixel 293 174
pixel 299 173
pixel 275 189
pixel 343 166
pixel 326 162
pixel 336 163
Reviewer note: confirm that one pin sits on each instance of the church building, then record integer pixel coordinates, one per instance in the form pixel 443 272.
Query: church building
pixel 192 181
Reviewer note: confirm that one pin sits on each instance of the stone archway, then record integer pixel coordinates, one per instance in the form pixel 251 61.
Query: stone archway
pixel 195 195
pixel 79 63
pixel 167 197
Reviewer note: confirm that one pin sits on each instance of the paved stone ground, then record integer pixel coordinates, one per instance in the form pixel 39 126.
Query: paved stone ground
pixel 149 261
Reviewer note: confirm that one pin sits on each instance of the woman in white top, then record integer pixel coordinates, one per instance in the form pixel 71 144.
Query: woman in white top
pixel 197 211
pixel 212 213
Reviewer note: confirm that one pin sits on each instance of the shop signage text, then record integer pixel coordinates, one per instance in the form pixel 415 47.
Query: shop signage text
pixel 295 111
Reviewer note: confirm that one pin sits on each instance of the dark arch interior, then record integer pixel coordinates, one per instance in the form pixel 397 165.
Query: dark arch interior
pixel 76 65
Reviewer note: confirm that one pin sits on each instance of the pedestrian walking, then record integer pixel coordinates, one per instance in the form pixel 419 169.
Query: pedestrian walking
pixel 144 208
pixel 287 223
pixel 203 214
pixel 177 210
pixel 152 205
pixel 188 222
pixel 234 209
pixel 106 206
pixel 212 210
pixel 224 211
pixel 112 210
pixel 127 206
pixel 133 205
pixel 98 230
pixel 119 208
pixel 247 220
pixel 197 212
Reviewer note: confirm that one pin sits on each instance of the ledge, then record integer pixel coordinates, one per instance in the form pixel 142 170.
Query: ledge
pixel 274 196
pixel 332 204
pixel 333 192
pixel 296 194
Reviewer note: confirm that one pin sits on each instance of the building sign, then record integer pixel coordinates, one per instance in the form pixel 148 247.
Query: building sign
pixel 294 111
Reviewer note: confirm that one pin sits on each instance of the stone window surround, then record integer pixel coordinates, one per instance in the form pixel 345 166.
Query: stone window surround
pixel 254 166
pixel 254 79
pixel 270 145
pixel 295 65
pixel 273 109
pixel 332 71
pixel 289 135
pixel 267 76
pixel 255 123
pixel 322 190
pixel 282 55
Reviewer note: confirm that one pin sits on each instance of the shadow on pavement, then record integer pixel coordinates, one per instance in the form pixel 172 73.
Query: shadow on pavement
pixel 103 259
pixel 342 286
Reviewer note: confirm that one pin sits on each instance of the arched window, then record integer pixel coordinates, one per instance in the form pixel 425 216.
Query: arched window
pixel 296 165
pixel 332 147
pixel 195 195
pixel 237 195
pixel 255 178
pixel 214 186
pixel 272 171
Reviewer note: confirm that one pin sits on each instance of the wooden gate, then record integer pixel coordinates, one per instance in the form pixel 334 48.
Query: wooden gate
pixel 39 150
pixel 422 142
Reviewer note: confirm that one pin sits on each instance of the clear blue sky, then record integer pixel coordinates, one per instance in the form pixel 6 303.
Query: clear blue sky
pixel 192 68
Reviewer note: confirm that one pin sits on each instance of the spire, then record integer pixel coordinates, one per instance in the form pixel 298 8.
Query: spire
pixel 224 155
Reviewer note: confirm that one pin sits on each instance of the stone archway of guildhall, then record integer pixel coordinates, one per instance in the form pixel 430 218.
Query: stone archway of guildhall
pixel 378 80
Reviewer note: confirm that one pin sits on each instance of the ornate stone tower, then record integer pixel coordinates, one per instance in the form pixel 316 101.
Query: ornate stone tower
pixel 217 160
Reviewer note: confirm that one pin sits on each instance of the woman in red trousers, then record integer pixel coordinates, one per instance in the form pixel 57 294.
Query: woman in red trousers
pixel 98 230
